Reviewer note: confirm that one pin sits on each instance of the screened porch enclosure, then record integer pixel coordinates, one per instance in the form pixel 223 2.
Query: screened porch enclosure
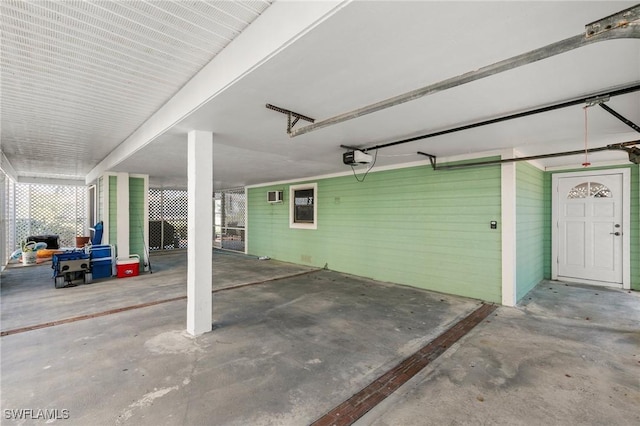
pixel 69 211
pixel 168 219
pixel 41 209
pixel 230 210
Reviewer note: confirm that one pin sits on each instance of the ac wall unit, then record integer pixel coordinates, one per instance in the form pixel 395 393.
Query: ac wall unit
pixel 274 196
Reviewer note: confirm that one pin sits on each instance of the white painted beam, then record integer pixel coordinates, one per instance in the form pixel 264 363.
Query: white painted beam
pixel 104 215
pixel 48 181
pixel 7 167
pixel 278 27
pixel 200 231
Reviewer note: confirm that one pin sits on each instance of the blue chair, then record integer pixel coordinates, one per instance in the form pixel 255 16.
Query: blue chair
pixel 96 240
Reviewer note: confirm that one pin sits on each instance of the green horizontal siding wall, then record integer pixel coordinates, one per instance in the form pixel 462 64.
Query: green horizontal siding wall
pixel 548 206
pixel 530 228
pixel 635 227
pixel 411 226
pixel 113 209
pixel 635 221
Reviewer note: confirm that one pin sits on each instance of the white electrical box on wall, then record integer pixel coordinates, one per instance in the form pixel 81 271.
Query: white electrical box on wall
pixel 274 196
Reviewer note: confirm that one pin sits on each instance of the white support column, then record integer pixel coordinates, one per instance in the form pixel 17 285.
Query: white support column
pixel 200 231
pixel 509 259
pixel 3 220
pixel 145 223
pixel 123 215
pixel 104 213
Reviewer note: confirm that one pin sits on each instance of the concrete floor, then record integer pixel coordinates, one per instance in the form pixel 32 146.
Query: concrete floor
pixel 286 351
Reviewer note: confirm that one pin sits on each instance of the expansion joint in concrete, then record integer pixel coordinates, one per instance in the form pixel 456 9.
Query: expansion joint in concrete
pixel 139 306
pixel 359 404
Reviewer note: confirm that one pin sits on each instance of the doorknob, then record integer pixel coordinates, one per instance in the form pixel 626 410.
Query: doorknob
pixel 617 234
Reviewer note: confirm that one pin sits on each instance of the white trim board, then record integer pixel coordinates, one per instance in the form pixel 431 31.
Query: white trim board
pixel 377 169
pixel 277 28
pixel 593 165
pixel 7 167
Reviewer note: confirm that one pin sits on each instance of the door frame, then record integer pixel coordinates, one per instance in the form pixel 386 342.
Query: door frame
pixel 626 222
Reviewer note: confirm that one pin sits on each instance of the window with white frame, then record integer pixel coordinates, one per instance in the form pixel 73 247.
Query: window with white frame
pixel 303 206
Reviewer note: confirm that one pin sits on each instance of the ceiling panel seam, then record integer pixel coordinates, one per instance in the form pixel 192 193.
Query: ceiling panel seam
pixel 48 62
pixel 164 24
pixel 67 131
pixel 256 12
pixel 194 25
pixel 37 90
pixel 135 36
pixel 39 97
pixel 87 17
pixel 101 42
pixel 120 83
pixel 182 6
pixel 199 6
pixel 160 34
pixel 71 56
pixel 96 122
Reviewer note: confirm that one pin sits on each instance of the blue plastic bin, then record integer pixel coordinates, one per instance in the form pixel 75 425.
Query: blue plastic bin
pixel 60 258
pixel 101 268
pixel 101 251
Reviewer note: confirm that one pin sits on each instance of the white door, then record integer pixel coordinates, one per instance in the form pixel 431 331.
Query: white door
pixel 589 212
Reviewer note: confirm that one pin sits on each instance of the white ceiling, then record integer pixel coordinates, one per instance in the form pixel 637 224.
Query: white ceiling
pixel 78 77
pixel 360 53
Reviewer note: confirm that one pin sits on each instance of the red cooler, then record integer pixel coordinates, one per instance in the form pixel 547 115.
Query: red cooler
pixel 128 267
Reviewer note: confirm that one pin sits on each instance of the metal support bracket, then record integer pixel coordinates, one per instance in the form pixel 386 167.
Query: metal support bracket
pixel 432 159
pixel 290 114
pixel 598 100
pixel 620 117
pixel 353 148
pixel 590 100
pixel 622 25
pixel 617 20
pixel 634 154
pixel 629 147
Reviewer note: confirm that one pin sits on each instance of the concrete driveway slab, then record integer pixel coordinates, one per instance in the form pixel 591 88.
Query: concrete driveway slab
pixel 569 355
pixel 282 352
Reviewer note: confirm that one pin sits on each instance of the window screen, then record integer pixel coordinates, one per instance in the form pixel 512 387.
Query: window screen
pixel 303 207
